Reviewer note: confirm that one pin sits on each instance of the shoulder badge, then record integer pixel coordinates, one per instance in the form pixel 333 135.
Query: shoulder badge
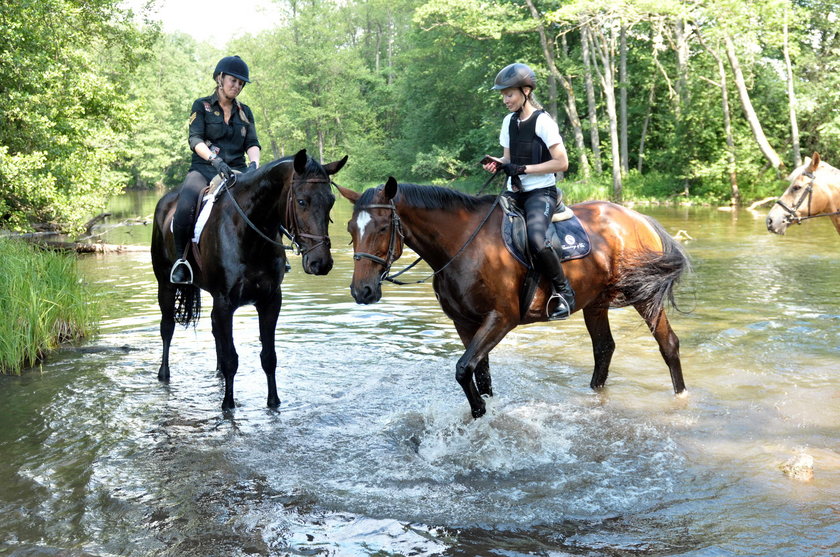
pixel 192 118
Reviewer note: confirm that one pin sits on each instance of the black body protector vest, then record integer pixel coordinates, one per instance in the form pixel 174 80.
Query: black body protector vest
pixel 526 147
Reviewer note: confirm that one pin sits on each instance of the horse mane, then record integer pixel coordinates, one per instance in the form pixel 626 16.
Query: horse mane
pixel 313 168
pixel 823 167
pixel 432 198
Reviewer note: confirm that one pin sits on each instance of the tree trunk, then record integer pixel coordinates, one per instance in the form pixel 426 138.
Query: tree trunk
pixel 746 105
pixel 571 108
pixel 794 126
pixel 735 192
pixel 645 124
pixel 605 47
pixel 622 78
pixel 594 139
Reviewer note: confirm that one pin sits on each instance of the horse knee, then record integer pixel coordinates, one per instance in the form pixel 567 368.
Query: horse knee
pixel 463 373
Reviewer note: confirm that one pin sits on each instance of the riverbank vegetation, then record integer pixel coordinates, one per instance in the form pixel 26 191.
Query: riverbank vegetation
pixel 666 101
pixel 43 301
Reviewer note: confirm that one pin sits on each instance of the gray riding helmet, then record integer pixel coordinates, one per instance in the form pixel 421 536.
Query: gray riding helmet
pixel 515 75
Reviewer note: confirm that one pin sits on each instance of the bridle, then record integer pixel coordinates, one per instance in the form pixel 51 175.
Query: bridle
pixel 395 234
pixel 395 231
pixel 292 232
pixel 791 216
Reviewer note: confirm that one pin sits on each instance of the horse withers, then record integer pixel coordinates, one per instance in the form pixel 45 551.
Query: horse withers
pixel 814 191
pixel 241 259
pixel 633 262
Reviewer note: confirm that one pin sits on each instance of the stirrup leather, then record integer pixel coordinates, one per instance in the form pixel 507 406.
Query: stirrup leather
pixel 175 265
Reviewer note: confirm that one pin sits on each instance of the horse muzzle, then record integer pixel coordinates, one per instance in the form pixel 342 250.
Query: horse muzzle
pixel 777 221
pixel 317 263
pixel 366 292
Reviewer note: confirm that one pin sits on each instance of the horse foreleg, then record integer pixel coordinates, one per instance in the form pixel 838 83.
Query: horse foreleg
pixel 268 313
pixel 598 324
pixel 166 301
pixel 489 334
pixel 482 370
pixel 227 358
pixel 669 344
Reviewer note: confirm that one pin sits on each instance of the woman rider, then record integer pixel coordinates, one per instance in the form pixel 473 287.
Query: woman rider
pixel 533 152
pixel 221 132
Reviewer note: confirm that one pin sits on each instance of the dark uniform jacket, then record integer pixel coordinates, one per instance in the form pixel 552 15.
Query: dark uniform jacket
pixel 228 140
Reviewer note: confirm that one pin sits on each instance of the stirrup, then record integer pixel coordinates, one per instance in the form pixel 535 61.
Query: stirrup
pixel 558 313
pixel 178 263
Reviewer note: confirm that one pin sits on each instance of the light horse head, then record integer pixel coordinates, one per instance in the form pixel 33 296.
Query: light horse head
pixel 814 191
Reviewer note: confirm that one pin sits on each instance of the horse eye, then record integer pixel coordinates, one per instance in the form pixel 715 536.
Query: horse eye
pixel 301 202
pixel 797 187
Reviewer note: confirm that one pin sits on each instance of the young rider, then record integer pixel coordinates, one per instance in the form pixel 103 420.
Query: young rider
pixel 533 153
pixel 221 132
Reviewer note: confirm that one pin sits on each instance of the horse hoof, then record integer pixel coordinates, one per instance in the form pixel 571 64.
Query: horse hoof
pixel 478 412
pixel 163 375
pixel 274 403
pixel 228 405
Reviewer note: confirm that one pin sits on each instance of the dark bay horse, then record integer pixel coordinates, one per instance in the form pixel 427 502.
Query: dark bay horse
pixel 814 191
pixel 242 261
pixel 477 281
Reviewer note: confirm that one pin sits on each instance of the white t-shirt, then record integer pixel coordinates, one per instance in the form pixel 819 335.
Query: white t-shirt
pixel 547 130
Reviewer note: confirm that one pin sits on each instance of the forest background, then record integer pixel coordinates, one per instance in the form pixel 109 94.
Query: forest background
pixel 703 101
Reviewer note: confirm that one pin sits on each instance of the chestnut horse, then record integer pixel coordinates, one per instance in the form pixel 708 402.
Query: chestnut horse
pixel 477 281
pixel 814 191
pixel 242 260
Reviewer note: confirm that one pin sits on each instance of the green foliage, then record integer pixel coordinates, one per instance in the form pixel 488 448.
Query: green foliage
pixel 64 71
pixel 43 301
pixel 93 104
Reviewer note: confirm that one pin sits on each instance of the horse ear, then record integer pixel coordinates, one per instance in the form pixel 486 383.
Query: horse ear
pixel 300 161
pixel 391 187
pixel 348 194
pixel 815 162
pixel 334 167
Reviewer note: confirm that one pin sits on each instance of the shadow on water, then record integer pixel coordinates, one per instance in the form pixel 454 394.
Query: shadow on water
pixel 373 452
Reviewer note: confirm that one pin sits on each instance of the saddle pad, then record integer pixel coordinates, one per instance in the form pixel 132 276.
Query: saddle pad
pixel 568 237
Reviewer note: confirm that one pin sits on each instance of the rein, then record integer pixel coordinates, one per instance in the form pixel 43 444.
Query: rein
pixel 396 230
pixel 791 215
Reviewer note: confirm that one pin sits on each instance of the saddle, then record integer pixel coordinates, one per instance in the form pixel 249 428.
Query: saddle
pixel 566 234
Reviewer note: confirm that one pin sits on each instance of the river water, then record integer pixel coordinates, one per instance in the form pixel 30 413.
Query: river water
pixel 373 451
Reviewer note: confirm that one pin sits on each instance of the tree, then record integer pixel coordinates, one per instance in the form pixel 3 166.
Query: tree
pixel 65 67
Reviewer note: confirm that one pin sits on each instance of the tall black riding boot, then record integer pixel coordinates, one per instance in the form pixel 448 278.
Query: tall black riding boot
pixel 181 230
pixel 550 266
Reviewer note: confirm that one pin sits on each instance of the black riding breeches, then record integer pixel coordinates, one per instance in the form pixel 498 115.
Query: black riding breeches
pixel 188 199
pixel 538 206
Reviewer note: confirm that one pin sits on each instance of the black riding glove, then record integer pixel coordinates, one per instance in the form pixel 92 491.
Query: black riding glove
pixel 251 167
pixel 222 167
pixel 513 169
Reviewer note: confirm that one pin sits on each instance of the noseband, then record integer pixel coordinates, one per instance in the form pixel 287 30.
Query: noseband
pixel 791 215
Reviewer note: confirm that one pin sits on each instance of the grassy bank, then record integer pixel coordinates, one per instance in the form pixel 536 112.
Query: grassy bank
pixel 43 302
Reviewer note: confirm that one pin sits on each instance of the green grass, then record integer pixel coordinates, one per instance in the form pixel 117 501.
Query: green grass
pixel 43 303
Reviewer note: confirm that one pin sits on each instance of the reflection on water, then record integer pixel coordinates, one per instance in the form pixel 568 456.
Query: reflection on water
pixel 373 452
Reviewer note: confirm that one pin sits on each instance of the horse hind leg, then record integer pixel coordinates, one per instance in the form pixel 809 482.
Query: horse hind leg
pixel 669 343
pixel 227 358
pixel 598 324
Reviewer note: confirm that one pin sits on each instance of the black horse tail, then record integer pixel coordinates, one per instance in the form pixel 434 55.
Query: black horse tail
pixel 649 278
pixel 187 304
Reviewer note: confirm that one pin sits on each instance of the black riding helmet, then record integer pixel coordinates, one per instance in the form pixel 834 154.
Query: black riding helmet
pixel 515 75
pixel 232 65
